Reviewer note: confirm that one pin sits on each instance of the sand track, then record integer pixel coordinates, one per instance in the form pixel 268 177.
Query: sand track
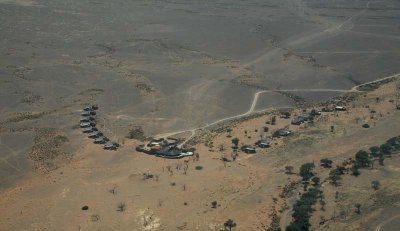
pixel 254 104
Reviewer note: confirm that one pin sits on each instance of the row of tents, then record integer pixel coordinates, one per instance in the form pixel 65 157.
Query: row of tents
pixel 88 125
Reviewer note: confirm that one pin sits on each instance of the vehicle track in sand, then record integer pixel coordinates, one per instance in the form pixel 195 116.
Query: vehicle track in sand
pixel 254 104
pixel 382 224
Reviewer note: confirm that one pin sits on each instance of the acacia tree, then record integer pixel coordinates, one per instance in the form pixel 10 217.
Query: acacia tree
pixel 306 171
pixel 362 159
pixel 235 141
pixel 385 149
pixel 229 224
pixel 374 150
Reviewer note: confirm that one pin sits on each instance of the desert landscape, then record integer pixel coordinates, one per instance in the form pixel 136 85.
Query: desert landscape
pixel 285 115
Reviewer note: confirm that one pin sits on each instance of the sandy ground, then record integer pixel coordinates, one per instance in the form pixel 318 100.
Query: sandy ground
pixel 169 66
pixel 175 65
pixel 157 198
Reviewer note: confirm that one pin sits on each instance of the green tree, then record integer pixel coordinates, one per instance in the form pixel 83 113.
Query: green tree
pixel 235 141
pixel 374 150
pixel 394 142
pixel 315 180
pixel 327 163
pixel 229 224
pixel 334 177
pixel 362 159
pixel 214 204
pixel 306 171
pixel 385 149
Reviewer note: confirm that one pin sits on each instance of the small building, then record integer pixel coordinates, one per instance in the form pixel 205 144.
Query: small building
pixel 171 152
pixel 282 132
pixel 99 140
pixel 95 134
pixel 263 143
pixel 89 129
pixel 300 119
pixel 88 113
pixel 90 107
pixel 87 119
pixel 110 146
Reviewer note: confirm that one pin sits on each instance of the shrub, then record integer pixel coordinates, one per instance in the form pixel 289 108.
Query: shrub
pixel 235 141
pixel 327 163
pixel 121 207
pixel 199 167
pixel 375 184
pixel 365 125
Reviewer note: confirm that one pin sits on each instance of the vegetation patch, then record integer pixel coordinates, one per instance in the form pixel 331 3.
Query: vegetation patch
pixel 136 133
pixel 302 210
pixel 46 149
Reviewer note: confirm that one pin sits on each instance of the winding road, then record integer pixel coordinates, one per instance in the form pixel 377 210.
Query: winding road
pixel 254 104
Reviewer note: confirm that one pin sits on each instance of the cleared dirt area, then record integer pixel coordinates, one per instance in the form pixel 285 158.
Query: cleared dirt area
pixel 195 66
